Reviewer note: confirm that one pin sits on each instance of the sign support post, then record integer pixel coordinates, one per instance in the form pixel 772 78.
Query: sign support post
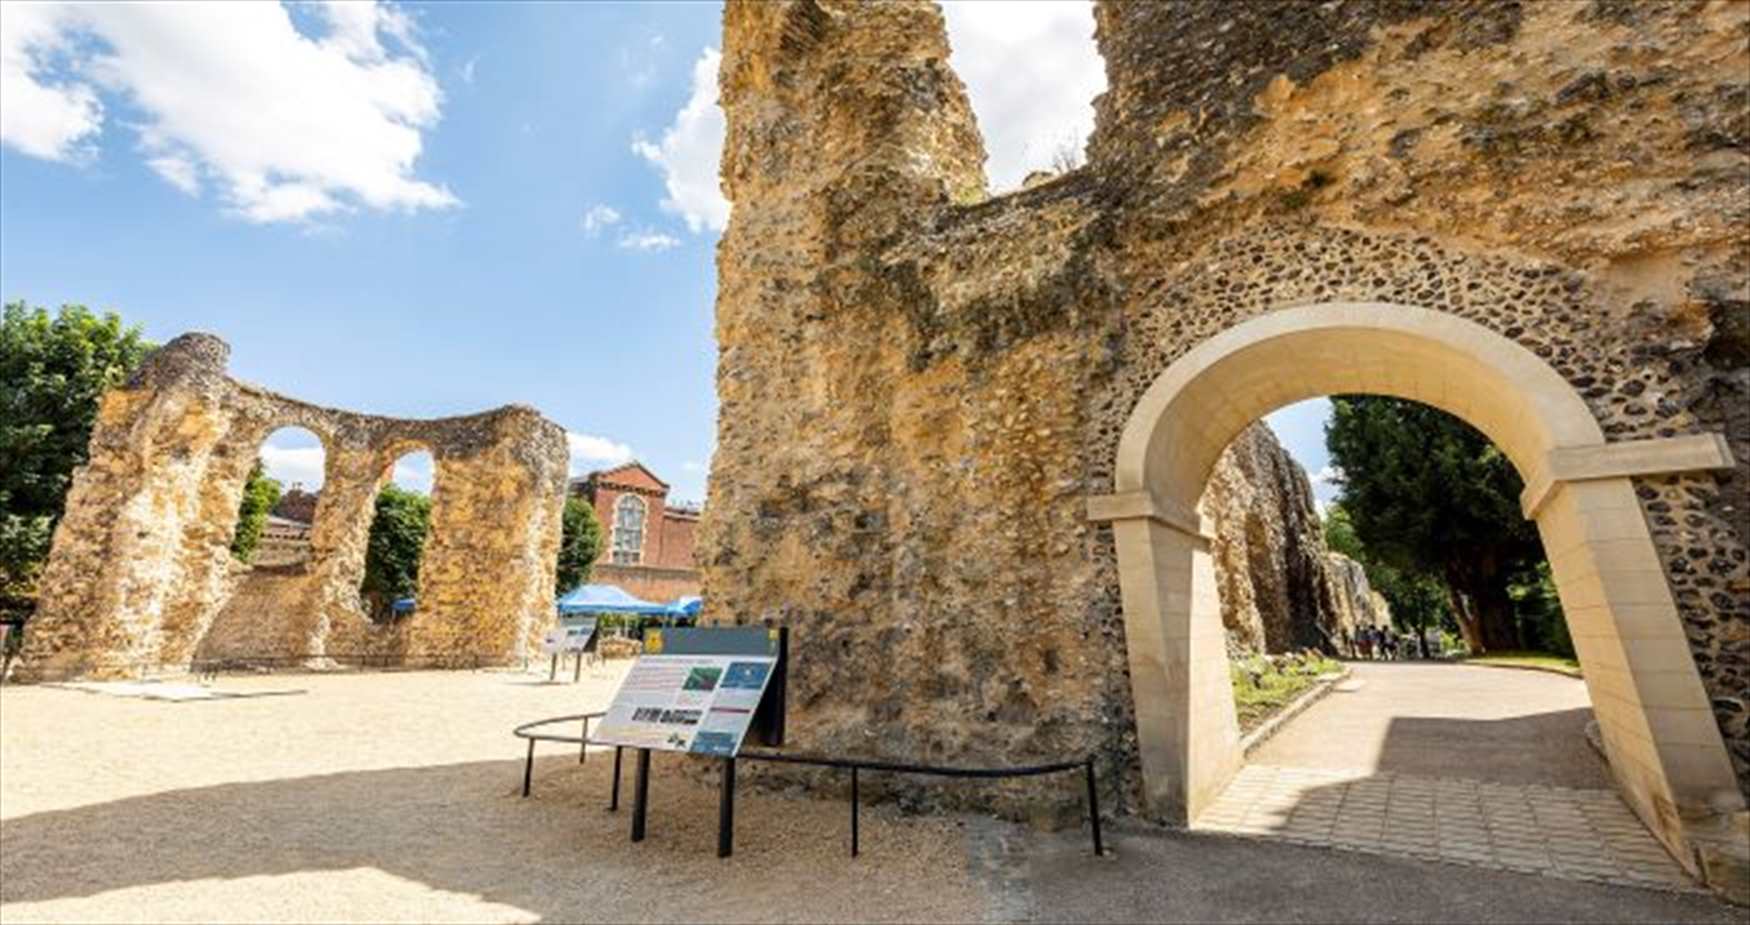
pixel 726 811
pixel 640 794
pixel 614 798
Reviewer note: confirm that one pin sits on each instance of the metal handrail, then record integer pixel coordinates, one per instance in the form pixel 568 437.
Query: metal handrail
pixel 726 817
pixel 582 741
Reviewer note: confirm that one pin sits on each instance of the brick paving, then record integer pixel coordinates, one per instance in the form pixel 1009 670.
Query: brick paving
pixel 1457 763
pixel 1572 834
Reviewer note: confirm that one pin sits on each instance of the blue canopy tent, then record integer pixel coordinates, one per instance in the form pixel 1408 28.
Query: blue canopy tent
pixel 686 608
pixel 608 599
pixel 402 605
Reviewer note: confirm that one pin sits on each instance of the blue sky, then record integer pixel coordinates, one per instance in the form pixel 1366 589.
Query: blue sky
pixel 424 210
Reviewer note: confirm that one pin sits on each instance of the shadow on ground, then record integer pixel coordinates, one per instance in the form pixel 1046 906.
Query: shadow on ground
pixel 461 831
pixel 1544 749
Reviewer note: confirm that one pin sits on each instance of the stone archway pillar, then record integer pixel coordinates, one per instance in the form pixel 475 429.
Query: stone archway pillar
pixel 1186 729
pixel 1653 714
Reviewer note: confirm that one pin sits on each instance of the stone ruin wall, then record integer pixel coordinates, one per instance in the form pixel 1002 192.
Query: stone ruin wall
pixel 1281 590
pixel 920 386
pixel 140 577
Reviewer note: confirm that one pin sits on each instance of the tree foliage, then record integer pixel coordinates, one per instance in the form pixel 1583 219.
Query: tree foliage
pixel 579 545
pixel 260 494
pixel 53 371
pixel 392 552
pixel 1429 496
pixel 1418 601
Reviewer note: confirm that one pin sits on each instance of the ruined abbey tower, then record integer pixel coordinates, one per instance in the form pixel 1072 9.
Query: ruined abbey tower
pixel 962 438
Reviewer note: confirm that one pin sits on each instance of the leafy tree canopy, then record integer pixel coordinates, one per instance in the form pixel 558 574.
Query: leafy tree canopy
pixel 392 552
pixel 1418 600
pixel 260 494
pixel 1428 495
pixel 580 544
pixel 53 370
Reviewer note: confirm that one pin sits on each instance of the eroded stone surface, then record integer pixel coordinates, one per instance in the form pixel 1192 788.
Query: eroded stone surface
pixel 1280 588
pixel 140 577
pixel 919 387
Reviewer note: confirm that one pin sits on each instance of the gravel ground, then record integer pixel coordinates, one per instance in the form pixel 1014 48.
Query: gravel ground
pixel 393 797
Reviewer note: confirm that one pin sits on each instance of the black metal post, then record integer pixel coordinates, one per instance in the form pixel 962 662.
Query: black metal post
pixel 529 767
pixel 577 668
pixel 614 799
pixel 583 747
pixel 1094 807
pixel 726 811
pixel 853 810
pixel 640 794
pixel 553 670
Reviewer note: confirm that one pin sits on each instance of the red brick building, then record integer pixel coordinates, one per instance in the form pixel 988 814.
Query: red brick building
pixel 647 543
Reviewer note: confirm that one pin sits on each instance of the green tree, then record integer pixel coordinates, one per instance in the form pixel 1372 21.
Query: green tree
pixel 53 371
pixel 1419 602
pixel 1539 611
pixel 260 494
pixel 1428 494
pixel 392 552
pixel 580 543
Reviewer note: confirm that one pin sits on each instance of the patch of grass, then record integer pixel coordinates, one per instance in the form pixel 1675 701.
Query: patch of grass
pixel 1512 659
pixel 1264 684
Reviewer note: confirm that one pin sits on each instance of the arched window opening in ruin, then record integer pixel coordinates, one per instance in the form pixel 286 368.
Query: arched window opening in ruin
pixel 395 545
pixel 628 542
pixel 277 509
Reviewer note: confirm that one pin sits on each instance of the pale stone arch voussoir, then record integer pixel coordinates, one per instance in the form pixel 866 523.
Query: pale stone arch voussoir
pixel 1664 746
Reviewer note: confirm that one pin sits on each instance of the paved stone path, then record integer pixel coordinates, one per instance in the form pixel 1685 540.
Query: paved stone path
pixel 1436 719
pixel 1345 775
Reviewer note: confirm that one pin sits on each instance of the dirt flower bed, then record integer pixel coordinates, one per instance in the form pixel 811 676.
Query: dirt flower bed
pixel 1264 684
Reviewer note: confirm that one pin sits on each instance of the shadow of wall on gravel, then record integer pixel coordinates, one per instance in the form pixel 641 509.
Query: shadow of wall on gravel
pixel 400 820
pixel 461 828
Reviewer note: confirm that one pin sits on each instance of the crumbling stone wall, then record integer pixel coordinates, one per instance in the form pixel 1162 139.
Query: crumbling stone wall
pixel 140 577
pixel 1354 602
pixel 920 386
pixel 1281 589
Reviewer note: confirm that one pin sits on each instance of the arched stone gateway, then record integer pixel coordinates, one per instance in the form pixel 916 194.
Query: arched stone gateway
pixel 1532 215
pixel 141 566
pixel 1658 729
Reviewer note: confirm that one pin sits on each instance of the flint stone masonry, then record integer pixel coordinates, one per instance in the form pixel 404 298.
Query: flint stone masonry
pixel 140 577
pixel 922 387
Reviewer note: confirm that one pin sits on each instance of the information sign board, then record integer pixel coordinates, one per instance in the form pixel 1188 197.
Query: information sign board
pixel 693 690
pixel 573 635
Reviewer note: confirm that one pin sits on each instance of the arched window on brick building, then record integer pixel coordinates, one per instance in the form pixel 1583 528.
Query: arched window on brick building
pixel 628 530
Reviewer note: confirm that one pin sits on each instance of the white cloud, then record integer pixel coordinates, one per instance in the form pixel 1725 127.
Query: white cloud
pixel 692 465
pixel 467 71
pixel 284 127
pixel 1327 475
pixel 648 241
pixel 293 465
pixel 1030 68
pixel 689 150
pixel 179 172
pixel 598 217
pixel 1032 72
pixel 592 452
pixel 43 116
